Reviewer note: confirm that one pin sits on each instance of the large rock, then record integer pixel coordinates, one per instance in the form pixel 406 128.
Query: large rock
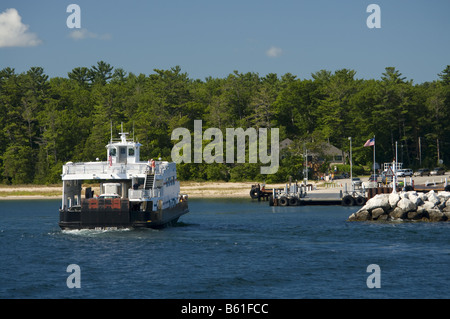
pixel 444 196
pixel 407 194
pixel 378 201
pixel 406 205
pixel 383 217
pixel 447 215
pixel 432 197
pixel 415 199
pixel 377 212
pixel 423 197
pixel 415 214
pixel 428 205
pixel 393 199
pixel 360 215
pixel 446 208
pixel 435 215
pixel 397 213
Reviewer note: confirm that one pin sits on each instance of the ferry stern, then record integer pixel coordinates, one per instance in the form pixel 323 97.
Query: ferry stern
pixel 133 193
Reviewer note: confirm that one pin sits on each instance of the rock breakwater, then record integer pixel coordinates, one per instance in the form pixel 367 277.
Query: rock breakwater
pixel 409 205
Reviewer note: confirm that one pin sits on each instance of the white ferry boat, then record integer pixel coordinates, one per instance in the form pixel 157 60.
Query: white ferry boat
pixel 133 194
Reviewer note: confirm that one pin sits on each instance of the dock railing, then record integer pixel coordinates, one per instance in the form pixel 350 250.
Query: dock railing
pixel 294 190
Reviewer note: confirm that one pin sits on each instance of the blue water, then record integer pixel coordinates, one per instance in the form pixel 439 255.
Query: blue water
pixel 223 249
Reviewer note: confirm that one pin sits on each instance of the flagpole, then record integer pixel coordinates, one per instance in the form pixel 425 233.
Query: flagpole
pixel 394 190
pixel 351 164
pixel 374 172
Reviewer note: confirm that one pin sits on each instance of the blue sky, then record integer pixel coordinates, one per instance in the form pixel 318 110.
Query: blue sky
pixel 214 38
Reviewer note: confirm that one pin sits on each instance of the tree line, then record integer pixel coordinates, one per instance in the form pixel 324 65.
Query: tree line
pixel 45 122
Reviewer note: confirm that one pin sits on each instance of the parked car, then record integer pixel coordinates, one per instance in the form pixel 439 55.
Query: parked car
pixel 438 171
pixel 404 172
pixel 342 176
pixel 374 177
pixel 422 172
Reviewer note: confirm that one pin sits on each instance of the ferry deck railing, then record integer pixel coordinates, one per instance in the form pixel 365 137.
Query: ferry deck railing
pixel 106 168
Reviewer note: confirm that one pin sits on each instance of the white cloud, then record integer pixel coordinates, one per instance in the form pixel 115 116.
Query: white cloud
pixel 80 34
pixel 274 52
pixel 13 33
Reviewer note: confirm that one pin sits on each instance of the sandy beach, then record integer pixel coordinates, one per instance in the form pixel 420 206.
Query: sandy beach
pixel 192 189
pixel 219 189
pixel 30 192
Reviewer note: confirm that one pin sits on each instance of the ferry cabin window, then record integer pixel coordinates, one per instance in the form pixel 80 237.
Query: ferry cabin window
pixel 122 150
pixel 112 152
pixel 131 152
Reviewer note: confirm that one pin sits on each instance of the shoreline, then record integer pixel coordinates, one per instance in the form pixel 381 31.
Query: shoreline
pixel 192 189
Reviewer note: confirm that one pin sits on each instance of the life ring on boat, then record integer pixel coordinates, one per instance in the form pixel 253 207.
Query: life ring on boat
pixel 284 201
pixel 359 201
pixel 254 193
pixel 348 200
pixel 293 201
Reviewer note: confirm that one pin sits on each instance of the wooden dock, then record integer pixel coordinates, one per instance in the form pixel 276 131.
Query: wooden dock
pixel 309 201
pixel 371 192
pixel 425 189
pixel 260 192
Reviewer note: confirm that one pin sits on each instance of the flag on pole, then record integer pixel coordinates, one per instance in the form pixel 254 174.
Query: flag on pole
pixel 370 142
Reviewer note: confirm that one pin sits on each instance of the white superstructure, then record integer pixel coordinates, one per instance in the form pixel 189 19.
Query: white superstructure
pixel 123 174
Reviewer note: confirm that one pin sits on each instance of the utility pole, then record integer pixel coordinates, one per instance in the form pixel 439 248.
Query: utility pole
pixel 437 142
pixel 351 164
pixel 305 171
pixel 394 190
pixel 420 153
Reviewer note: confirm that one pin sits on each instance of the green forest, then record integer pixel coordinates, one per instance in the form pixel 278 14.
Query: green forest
pixel 46 122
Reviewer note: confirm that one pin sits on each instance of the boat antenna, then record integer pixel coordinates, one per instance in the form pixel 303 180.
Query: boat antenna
pixel 111 132
pixel 133 131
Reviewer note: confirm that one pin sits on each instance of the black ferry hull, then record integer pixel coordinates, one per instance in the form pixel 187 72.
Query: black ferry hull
pixel 119 213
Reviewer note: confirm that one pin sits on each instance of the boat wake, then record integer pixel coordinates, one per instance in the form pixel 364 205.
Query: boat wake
pixel 94 232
